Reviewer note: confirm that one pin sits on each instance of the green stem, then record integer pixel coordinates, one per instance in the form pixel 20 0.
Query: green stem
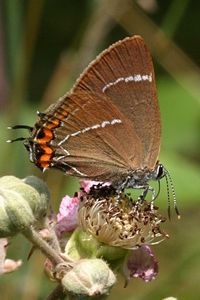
pixel 32 235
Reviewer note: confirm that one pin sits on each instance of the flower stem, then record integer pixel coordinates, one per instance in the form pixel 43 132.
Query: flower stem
pixel 32 235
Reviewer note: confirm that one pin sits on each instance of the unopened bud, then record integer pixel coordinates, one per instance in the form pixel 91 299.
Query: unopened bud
pixel 81 244
pixel 21 205
pixel 39 207
pixel 89 277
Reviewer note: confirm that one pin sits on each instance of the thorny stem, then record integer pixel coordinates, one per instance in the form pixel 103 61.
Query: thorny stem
pixel 53 237
pixel 32 235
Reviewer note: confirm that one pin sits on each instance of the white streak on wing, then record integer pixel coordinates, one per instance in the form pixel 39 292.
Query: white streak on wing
pixel 75 133
pixel 131 78
pixel 64 163
pixel 115 121
pixel 134 78
pixel 85 129
pixel 93 127
pixel 65 151
pixel 64 140
pixel 105 123
pixel 78 172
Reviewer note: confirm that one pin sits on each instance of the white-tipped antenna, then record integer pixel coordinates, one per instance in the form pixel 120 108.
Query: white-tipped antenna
pixel 29 128
pixel 169 181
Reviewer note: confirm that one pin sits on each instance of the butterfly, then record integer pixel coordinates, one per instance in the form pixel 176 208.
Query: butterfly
pixel 107 127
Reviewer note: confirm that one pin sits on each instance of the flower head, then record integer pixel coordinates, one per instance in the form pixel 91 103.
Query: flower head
pixel 116 220
pixel 110 224
pixel 67 216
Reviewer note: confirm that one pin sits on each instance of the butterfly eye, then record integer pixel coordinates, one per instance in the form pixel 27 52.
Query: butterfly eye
pixel 160 172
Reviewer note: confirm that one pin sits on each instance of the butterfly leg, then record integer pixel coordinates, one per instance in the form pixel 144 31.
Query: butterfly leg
pixel 142 197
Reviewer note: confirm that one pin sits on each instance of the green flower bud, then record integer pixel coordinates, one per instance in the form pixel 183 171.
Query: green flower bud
pixel 21 205
pixel 39 207
pixel 89 277
pixel 15 213
pixel 89 243
pixel 81 244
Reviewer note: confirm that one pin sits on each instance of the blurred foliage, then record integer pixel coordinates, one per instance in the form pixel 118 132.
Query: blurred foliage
pixel 44 45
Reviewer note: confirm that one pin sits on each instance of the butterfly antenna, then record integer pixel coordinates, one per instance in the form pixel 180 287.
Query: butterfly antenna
pixel 29 128
pixel 170 182
pixel 15 140
pixel 21 127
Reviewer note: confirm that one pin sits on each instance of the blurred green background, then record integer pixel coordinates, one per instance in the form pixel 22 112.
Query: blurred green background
pixel 44 45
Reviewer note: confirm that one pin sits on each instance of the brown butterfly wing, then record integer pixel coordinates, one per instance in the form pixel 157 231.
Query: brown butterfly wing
pixel 124 72
pixel 109 123
pixel 94 137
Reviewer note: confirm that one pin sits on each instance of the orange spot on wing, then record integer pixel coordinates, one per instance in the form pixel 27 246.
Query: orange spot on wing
pixel 48 136
pixel 47 133
pixel 47 150
pixel 53 123
pixel 45 158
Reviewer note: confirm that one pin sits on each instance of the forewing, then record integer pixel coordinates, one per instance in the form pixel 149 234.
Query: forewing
pixel 124 72
pixel 94 139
